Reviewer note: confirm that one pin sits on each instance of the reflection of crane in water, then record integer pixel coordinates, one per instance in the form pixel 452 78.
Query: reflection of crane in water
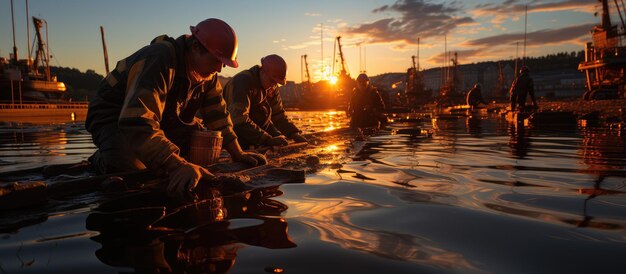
pixel 603 153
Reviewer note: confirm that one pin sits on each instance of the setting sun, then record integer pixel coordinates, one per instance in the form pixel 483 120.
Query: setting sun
pixel 333 80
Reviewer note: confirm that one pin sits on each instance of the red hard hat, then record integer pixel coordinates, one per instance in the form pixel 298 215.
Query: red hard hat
pixel 219 39
pixel 362 78
pixel 275 67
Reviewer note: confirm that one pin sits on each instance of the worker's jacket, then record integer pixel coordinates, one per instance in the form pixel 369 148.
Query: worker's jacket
pixel 522 85
pixel 149 94
pixel 367 100
pixel 257 116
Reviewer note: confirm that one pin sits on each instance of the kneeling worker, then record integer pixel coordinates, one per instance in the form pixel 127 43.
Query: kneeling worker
pixel 144 111
pixel 366 105
pixel 475 97
pixel 256 107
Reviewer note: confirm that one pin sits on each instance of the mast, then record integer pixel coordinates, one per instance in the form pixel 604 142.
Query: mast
pixel 525 26
pixel 606 17
pixel 308 76
pixel 28 34
pixel 306 69
pixel 418 54
pixel 444 71
pixel 516 57
pixel 334 56
pixel 104 49
pixel 322 46
pixel 619 12
pixel 364 59
pixel 343 62
pixel 40 53
pixel 360 58
pixel 13 24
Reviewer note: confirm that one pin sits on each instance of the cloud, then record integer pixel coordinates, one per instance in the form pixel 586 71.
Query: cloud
pixel 540 37
pixel 462 55
pixel 417 17
pixel 518 6
pixel 312 14
pixel 515 8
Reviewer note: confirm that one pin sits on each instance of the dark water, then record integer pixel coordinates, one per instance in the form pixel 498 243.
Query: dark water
pixel 479 196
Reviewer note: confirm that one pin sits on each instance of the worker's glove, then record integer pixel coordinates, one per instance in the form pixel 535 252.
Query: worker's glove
pixel 251 158
pixel 277 141
pixel 184 179
pixel 298 138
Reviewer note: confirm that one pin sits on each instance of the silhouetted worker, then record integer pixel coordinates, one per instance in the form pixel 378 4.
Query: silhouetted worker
pixel 521 87
pixel 475 97
pixel 256 107
pixel 366 106
pixel 145 110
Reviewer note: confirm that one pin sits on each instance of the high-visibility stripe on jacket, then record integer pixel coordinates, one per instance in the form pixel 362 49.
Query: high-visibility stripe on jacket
pixel 148 92
pixel 256 116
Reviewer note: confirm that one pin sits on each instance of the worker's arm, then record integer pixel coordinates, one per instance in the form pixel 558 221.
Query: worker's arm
pixel 237 98
pixel 149 78
pixel 146 89
pixel 215 114
pixel 350 110
pixel 216 117
pixel 378 102
pixel 279 117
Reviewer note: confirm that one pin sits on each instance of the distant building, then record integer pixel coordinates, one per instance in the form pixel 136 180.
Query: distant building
pixel 550 83
pixel 554 83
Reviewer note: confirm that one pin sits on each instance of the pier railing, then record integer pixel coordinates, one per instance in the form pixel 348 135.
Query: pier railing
pixel 42 105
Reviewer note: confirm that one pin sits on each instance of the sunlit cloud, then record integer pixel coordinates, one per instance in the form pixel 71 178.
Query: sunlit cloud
pixel 513 9
pixel 416 17
pixel 540 37
pixel 500 46
pixel 518 6
pixel 312 14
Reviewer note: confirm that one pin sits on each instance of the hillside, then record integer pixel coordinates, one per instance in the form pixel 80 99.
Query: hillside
pixel 563 61
pixel 81 85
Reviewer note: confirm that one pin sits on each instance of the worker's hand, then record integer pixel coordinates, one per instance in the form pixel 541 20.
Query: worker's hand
pixel 298 138
pixel 277 141
pixel 251 158
pixel 184 179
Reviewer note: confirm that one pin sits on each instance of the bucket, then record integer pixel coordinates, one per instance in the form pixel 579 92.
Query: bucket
pixel 205 147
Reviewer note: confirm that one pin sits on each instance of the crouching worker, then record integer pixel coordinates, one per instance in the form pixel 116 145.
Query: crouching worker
pixel 256 107
pixel 146 109
pixel 475 97
pixel 366 106
pixel 520 88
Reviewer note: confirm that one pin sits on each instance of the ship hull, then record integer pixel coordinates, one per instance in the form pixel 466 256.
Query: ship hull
pixel 32 90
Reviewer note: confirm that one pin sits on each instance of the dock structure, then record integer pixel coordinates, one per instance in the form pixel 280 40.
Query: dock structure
pixel 43 112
